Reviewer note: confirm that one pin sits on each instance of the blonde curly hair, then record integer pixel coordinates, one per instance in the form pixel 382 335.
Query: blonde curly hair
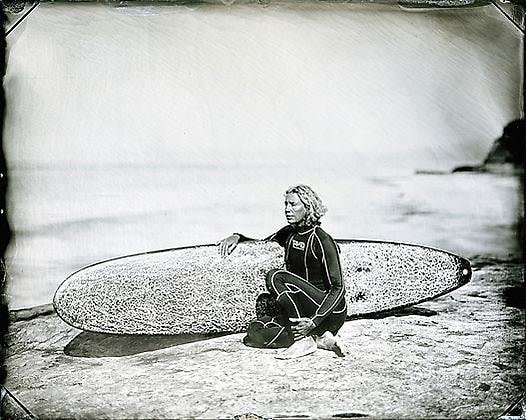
pixel 314 207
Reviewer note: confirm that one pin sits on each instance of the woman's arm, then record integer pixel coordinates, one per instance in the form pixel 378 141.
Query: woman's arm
pixel 227 245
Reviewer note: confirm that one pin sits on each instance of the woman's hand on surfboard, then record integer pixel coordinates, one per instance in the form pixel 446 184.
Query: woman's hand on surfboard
pixel 227 245
pixel 302 327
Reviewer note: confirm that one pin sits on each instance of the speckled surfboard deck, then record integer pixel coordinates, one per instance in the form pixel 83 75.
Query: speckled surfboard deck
pixel 194 290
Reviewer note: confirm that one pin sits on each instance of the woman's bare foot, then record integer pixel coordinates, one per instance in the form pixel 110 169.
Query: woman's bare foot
pixel 327 341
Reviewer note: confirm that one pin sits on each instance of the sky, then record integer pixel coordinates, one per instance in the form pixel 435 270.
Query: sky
pixel 342 84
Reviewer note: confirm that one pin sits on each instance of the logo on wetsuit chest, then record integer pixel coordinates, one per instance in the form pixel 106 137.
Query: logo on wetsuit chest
pixel 298 245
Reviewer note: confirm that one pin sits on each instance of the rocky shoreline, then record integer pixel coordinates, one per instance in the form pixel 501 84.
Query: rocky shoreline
pixel 458 356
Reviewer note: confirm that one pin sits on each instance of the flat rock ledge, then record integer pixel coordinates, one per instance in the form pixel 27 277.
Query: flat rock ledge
pixel 458 356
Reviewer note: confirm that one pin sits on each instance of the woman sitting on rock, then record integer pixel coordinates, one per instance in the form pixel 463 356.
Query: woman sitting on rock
pixel 305 306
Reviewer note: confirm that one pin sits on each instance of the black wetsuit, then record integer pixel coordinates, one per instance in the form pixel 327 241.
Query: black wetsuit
pixel 311 285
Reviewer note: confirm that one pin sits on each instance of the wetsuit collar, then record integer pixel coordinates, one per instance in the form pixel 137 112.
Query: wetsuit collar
pixel 304 228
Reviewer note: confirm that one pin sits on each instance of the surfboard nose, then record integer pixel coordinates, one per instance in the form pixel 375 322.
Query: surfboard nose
pixel 465 271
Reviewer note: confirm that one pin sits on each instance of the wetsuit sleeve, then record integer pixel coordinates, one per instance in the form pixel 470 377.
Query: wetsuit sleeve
pixel 280 236
pixel 243 238
pixel 326 251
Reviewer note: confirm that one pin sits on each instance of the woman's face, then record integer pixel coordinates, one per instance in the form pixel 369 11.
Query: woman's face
pixel 294 209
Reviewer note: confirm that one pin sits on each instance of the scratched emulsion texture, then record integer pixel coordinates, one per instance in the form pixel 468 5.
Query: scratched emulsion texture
pixel 138 128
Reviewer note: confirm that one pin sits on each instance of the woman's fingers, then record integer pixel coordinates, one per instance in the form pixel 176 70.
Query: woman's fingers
pixel 226 246
pixel 298 336
pixel 298 329
pixel 295 319
pixel 300 321
pixel 226 249
pixel 223 248
pixel 303 326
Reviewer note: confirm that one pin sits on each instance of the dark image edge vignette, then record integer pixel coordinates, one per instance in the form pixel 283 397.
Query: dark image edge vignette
pixel 5 233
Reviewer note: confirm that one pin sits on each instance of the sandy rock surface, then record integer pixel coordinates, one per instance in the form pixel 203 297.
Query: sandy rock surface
pixel 459 356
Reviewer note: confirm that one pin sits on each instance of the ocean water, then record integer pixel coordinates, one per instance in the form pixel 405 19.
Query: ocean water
pixel 130 129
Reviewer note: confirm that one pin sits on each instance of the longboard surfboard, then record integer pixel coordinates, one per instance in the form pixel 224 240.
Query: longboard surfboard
pixel 195 290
